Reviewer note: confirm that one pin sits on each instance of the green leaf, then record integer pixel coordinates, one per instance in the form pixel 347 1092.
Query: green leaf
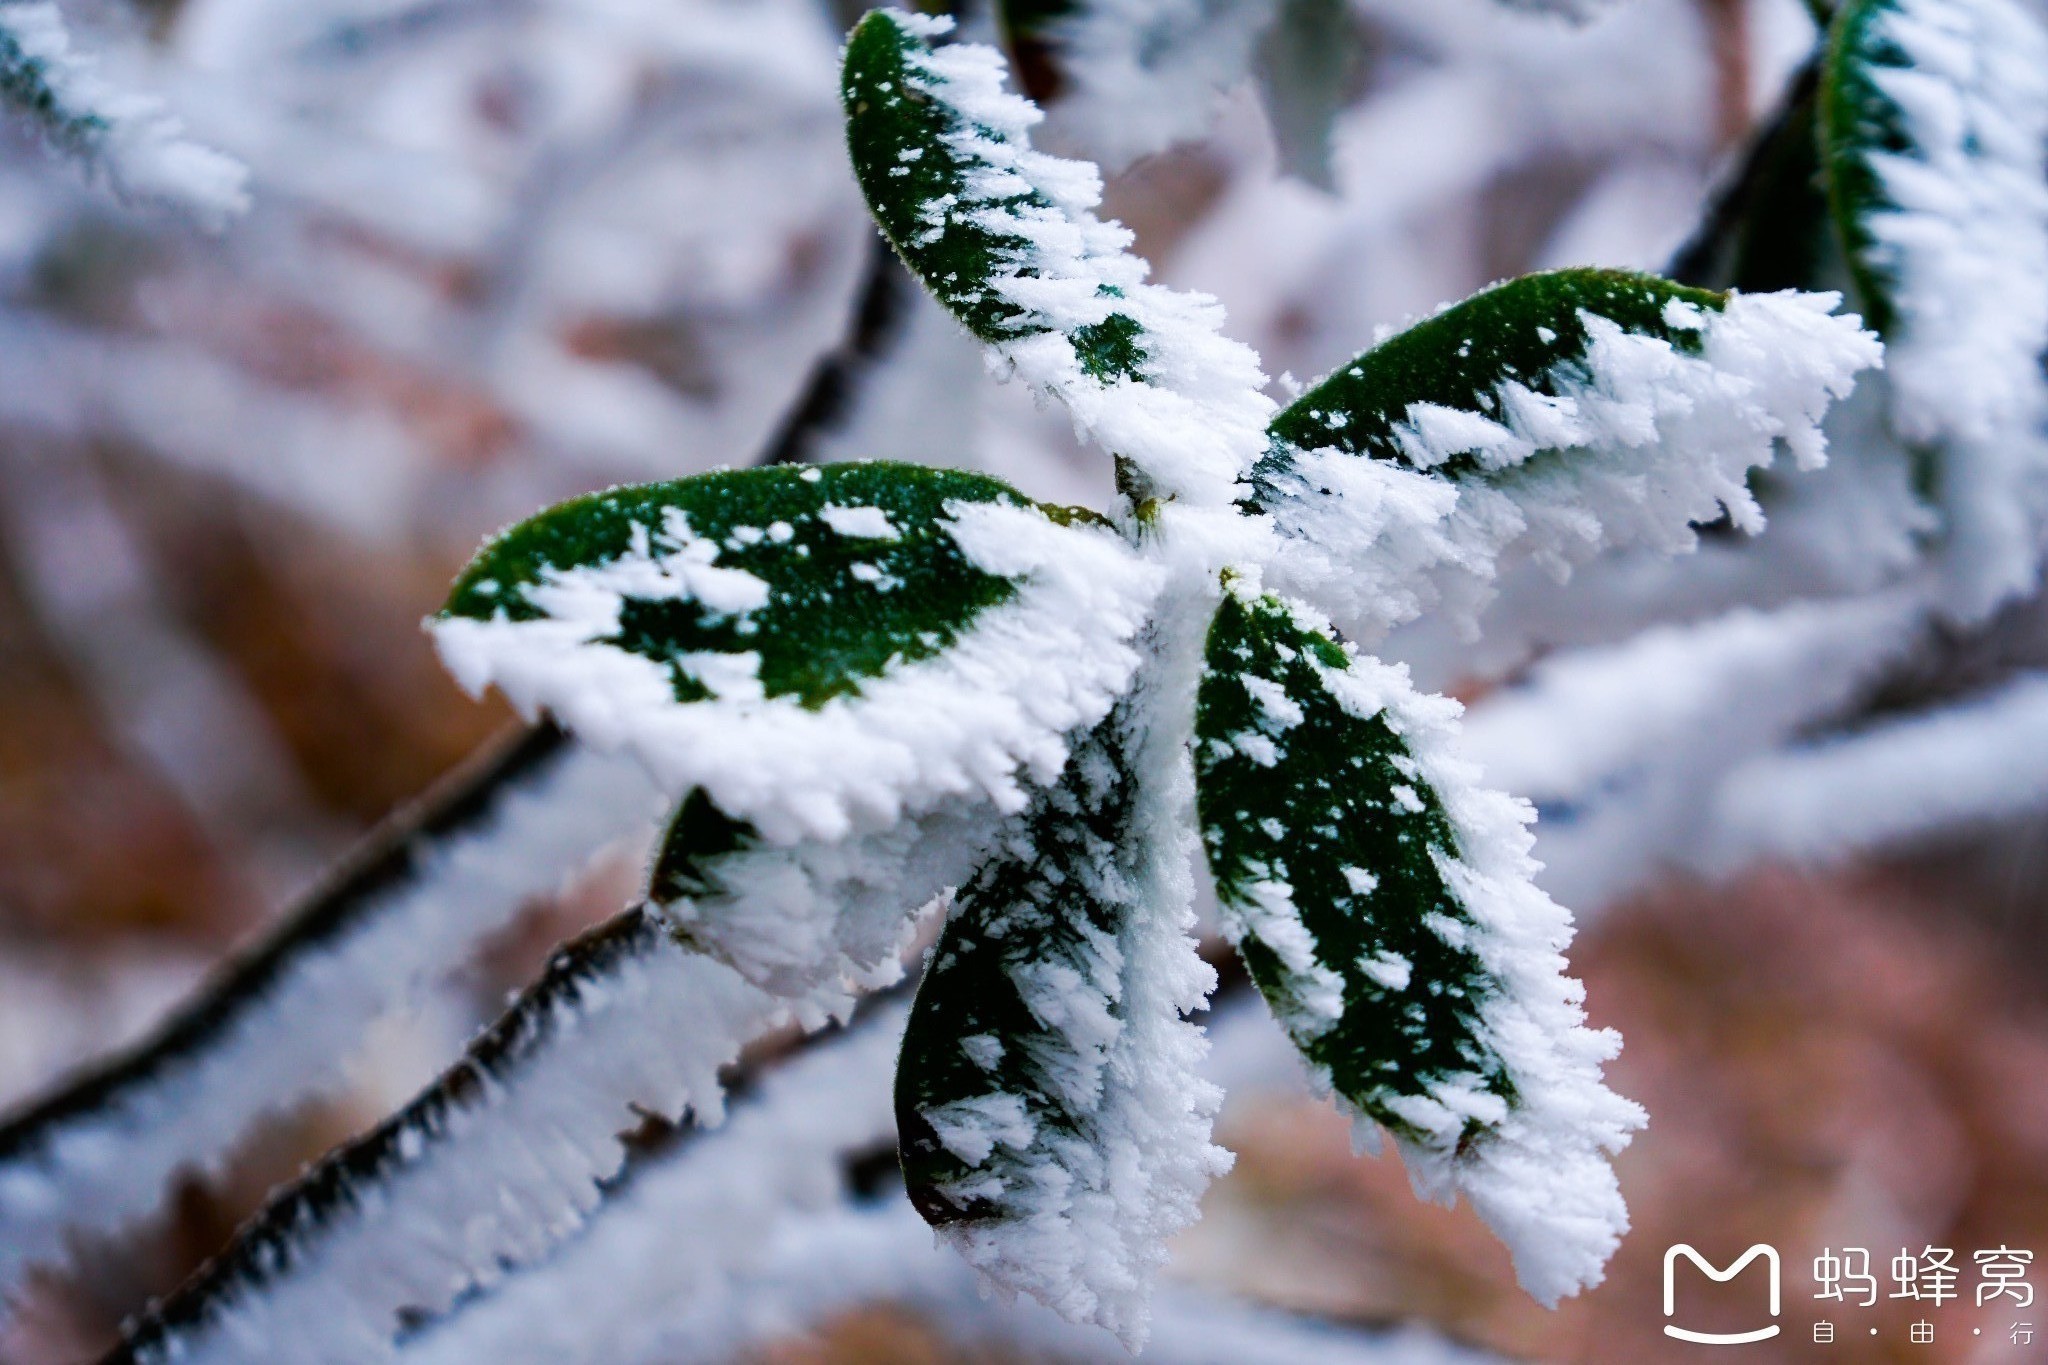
pixel 1049 1120
pixel 819 649
pixel 1328 846
pixel 1860 124
pixel 1383 904
pixel 907 150
pixel 823 622
pixel 1543 419
pixel 1531 331
pixel 1007 239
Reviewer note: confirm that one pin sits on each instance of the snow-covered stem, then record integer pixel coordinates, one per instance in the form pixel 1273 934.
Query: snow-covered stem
pixel 128 141
pixel 1635 749
pixel 726 1240
pixel 684 1222
pixel 503 1156
pixel 274 1027
pixel 1889 784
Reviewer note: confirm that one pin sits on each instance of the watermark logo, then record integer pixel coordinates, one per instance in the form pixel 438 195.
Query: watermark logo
pixel 1762 1249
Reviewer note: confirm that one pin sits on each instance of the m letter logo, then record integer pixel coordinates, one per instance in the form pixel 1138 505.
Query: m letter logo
pixel 1770 1255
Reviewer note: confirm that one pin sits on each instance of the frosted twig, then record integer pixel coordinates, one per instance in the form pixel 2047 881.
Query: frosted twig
pixel 274 1026
pixel 880 314
pixel 128 141
pixel 488 1167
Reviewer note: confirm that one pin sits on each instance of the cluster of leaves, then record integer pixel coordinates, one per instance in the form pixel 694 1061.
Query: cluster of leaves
pixel 1380 903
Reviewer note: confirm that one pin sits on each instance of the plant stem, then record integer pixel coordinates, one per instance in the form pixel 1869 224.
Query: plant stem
pixel 486 1168
pixel 387 858
pixel 880 314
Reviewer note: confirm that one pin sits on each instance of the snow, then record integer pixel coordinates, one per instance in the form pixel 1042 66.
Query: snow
pixel 821 1267
pixel 1539 1173
pixel 130 141
pixel 1964 245
pixel 820 923
pixel 102 1170
pixel 1643 441
pixel 608 1295
pixel 1195 422
pixel 1143 75
pixel 497 1171
pixel 1637 750
pixel 865 523
pixel 969 723
pixel 1975 763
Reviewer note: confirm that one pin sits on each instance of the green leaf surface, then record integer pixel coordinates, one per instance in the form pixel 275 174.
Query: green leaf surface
pixel 1326 845
pixel 1529 330
pixel 907 158
pixel 836 607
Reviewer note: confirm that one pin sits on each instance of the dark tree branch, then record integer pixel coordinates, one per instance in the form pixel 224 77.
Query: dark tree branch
pixel 827 403
pixel 1705 256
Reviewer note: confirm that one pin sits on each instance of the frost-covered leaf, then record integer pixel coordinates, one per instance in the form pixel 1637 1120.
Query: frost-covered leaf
pixel 819 922
pixel 818 650
pixel 1006 238
pixel 1133 77
pixel 1382 902
pixel 129 141
pixel 1551 415
pixel 1051 1123
pixel 1934 115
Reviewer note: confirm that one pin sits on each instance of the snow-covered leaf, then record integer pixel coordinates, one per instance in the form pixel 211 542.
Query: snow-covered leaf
pixel 819 922
pixel 1006 238
pixel 1551 415
pixel 1934 117
pixel 818 650
pixel 1051 1123
pixel 1382 902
